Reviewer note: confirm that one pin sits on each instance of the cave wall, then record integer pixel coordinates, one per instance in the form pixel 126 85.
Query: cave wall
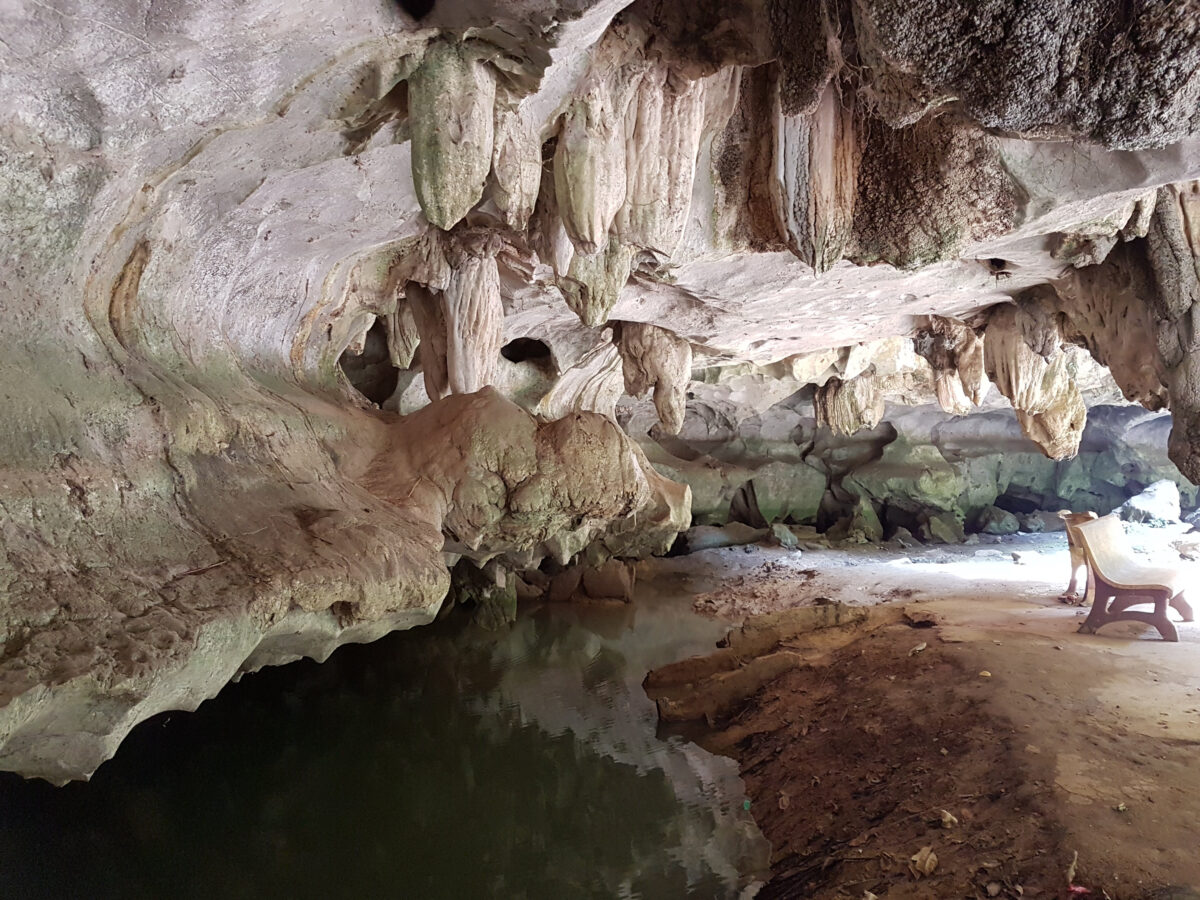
pixel 207 210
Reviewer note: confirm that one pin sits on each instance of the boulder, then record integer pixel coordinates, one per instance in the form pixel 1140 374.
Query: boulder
pixel 1156 505
pixel 994 520
pixel 943 528
pixel 1031 523
pixel 865 521
pixel 785 536
pixel 905 539
pixel 709 537
pixel 613 580
pixel 1042 520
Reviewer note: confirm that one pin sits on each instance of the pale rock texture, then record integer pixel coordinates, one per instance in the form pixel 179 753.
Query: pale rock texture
pixel 516 165
pixel 474 317
pixel 214 219
pixel 452 96
pixel 816 178
pixel 594 383
pixel 589 159
pixel 403 336
pixel 1157 505
pixel 955 352
pixel 1049 406
pixel 654 358
pixel 594 280
pixel 845 407
pixel 662 137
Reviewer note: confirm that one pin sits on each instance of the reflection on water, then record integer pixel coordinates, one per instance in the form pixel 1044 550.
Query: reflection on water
pixel 445 762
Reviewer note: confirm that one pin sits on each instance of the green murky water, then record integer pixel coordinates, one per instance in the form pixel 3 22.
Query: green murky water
pixel 446 762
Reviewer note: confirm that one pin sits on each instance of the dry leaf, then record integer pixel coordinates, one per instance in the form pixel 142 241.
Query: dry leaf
pixel 917 649
pixel 948 820
pixel 924 861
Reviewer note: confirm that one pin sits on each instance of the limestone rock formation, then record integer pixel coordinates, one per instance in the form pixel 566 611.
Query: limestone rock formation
pixel 1157 505
pixel 652 357
pixel 452 96
pixel 846 407
pixel 955 353
pixel 228 237
pixel 1049 406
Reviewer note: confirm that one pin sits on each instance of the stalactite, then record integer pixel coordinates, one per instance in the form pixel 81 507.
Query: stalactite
pixel 652 357
pixel 403 336
pixel 589 164
pixel 816 178
pixel 662 140
pixel 848 406
pixel 1049 407
pixel 1174 246
pixel 474 316
pixel 955 353
pixel 460 326
pixel 516 165
pixel 593 282
pixel 451 98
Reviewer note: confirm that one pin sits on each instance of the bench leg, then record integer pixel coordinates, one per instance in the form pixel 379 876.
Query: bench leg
pixel 1098 616
pixel 1104 612
pixel 1182 607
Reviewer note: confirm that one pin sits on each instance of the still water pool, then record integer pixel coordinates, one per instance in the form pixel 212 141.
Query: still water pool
pixel 446 762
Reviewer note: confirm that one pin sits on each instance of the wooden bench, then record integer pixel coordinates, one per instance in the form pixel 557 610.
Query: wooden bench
pixel 1117 581
pixel 1078 557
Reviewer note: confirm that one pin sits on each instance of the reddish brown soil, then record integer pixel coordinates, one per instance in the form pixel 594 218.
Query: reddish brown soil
pixel 850 765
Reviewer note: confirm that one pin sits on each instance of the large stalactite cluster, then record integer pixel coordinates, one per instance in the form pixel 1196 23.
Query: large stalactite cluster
pixel 784 220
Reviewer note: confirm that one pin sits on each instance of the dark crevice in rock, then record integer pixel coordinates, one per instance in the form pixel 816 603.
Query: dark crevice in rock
pixel 371 371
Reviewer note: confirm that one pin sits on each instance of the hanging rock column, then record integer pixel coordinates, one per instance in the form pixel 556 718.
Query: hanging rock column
pixel 1049 407
pixel 652 357
pixel 451 98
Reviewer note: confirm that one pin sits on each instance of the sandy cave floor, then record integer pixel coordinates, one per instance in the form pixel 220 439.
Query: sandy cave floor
pixel 1071 743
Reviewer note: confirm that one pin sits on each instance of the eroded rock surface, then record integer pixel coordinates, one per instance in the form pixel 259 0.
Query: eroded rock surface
pixel 213 231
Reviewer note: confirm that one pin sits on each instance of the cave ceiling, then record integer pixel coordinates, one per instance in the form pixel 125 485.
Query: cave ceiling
pixel 534 212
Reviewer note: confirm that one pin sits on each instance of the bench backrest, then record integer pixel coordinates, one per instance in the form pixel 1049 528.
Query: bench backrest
pixel 1104 541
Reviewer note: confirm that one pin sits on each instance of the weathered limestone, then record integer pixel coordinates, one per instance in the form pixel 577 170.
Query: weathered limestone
pixel 845 407
pixel 474 318
pixel 652 357
pixel 403 335
pixel 1174 247
pixel 592 384
pixel 1048 404
pixel 594 280
pixel 461 327
pixel 200 221
pixel 816 178
pixel 589 163
pixel 516 165
pixel 955 352
pixel 662 137
pixel 452 96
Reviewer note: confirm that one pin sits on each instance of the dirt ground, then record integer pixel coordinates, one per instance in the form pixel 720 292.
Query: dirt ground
pixel 893 739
